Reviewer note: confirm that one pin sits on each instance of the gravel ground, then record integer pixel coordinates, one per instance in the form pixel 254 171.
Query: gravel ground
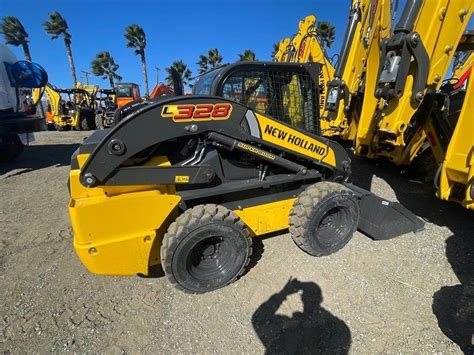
pixel 412 294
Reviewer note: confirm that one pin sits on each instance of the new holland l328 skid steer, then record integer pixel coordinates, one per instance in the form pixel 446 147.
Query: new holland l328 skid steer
pixel 187 181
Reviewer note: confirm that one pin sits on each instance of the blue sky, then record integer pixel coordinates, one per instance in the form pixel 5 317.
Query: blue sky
pixel 175 30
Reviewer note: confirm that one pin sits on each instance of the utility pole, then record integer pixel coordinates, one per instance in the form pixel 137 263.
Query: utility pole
pixel 157 77
pixel 86 74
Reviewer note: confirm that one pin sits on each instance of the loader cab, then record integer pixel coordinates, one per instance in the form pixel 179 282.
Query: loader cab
pixel 288 92
pixel 126 93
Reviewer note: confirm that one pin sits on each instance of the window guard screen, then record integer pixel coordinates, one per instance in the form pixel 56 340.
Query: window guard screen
pixel 288 96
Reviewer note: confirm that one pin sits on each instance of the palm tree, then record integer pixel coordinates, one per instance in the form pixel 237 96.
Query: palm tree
pixel 104 65
pixel 326 33
pixel 57 27
pixel 183 71
pixel 203 64
pixel 214 58
pixel 15 34
pixel 135 36
pixel 247 56
pixel 209 62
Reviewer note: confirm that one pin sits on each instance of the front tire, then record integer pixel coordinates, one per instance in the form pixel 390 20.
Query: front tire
pixel 324 218
pixel 206 248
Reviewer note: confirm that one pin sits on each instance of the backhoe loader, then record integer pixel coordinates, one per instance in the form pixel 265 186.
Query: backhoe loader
pixel 413 64
pixel 450 131
pixel 76 112
pixel 187 181
pixel 369 99
pixel 343 86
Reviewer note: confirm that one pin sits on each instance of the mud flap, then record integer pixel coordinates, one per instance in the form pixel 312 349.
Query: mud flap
pixel 381 219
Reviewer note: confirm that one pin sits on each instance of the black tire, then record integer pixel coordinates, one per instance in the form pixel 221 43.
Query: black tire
pixel 206 248
pixel 99 123
pixel 10 148
pixel 324 218
pixel 85 124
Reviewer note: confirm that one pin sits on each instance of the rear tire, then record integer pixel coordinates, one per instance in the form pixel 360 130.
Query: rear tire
pixel 206 248
pixel 324 218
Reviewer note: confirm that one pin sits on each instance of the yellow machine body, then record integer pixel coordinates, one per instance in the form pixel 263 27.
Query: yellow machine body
pixel 373 26
pixel 382 126
pixel 456 178
pixel 118 229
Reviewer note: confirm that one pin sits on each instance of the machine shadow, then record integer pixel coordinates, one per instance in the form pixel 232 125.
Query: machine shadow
pixel 453 306
pixel 37 157
pixel 315 330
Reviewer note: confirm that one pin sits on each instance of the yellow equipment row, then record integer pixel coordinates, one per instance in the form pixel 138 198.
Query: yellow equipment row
pixel 380 93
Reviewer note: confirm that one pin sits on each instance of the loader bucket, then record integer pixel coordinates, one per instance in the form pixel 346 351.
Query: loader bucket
pixel 381 219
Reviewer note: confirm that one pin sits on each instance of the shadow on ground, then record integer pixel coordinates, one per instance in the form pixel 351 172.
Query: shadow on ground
pixel 419 197
pixel 37 157
pixel 315 330
pixel 453 306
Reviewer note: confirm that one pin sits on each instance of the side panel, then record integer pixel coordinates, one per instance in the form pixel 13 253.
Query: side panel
pixel 114 235
pixel 267 218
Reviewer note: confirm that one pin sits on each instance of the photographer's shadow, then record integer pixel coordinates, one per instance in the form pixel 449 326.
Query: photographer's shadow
pixel 315 330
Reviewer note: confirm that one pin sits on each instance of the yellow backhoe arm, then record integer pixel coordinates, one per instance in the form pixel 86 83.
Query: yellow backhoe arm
pixel 369 23
pixel 456 176
pixel 414 62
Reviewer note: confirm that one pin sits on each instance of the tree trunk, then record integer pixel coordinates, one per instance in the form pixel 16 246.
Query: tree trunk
pixel 71 62
pixel 111 81
pixel 145 76
pixel 26 49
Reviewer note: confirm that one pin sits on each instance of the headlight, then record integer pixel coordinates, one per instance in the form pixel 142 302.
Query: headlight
pixel 72 112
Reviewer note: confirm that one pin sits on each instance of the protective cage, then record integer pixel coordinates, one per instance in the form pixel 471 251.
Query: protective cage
pixel 287 92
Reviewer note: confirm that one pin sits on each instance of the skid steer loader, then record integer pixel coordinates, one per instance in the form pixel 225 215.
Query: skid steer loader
pixel 187 181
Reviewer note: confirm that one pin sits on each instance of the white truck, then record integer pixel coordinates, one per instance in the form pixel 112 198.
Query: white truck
pixel 18 117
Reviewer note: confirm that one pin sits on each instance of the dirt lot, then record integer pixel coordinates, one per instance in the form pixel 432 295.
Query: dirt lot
pixel 411 294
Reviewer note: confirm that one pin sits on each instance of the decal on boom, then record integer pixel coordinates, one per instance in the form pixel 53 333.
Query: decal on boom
pixel 201 112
